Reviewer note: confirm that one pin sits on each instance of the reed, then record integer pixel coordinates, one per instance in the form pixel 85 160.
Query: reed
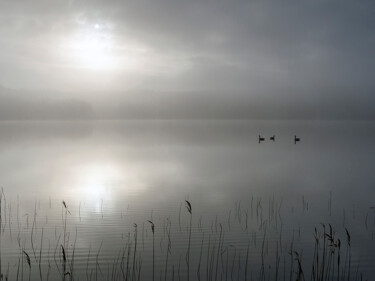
pixel 200 259
pixel 135 251
pixel 28 260
pixel 153 249
pixel 188 207
pixel 168 231
pixel 64 272
pixel 1 222
pixel 347 257
pixel 217 256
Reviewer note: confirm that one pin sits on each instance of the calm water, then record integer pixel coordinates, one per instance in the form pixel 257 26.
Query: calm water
pixel 113 175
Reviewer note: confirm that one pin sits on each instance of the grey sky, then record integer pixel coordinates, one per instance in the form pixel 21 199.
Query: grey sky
pixel 297 48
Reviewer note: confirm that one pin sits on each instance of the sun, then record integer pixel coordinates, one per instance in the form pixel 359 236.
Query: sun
pixel 92 48
pixel 102 48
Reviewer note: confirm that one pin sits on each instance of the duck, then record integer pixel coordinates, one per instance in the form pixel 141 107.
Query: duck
pixel 296 139
pixel 272 138
pixel 260 138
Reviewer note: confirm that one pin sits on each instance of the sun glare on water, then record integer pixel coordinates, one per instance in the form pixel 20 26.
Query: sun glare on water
pixel 96 182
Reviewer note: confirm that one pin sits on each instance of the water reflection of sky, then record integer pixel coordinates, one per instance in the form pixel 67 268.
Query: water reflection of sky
pixel 150 168
pixel 203 159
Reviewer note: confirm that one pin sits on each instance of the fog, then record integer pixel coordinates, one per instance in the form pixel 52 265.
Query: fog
pixel 186 59
pixel 26 105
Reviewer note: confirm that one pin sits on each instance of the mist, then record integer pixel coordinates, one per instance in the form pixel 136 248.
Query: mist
pixel 339 105
pixel 187 59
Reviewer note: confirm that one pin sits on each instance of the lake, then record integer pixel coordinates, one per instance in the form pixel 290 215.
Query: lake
pixel 109 200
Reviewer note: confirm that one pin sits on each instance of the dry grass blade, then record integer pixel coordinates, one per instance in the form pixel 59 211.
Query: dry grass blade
pixel 63 253
pixel 348 236
pixel 152 226
pixel 66 207
pixel 27 259
pixel 188 206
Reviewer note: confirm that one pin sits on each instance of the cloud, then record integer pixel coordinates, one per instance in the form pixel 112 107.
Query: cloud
pixel 197 45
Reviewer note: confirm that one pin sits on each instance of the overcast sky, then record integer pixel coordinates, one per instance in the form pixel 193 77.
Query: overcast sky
pixel 188 45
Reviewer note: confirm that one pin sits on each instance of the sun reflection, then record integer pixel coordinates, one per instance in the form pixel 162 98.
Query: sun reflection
pixel 98 183
pixel 95 183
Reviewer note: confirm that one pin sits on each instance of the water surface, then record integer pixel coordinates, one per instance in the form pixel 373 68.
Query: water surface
pixel 114 174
